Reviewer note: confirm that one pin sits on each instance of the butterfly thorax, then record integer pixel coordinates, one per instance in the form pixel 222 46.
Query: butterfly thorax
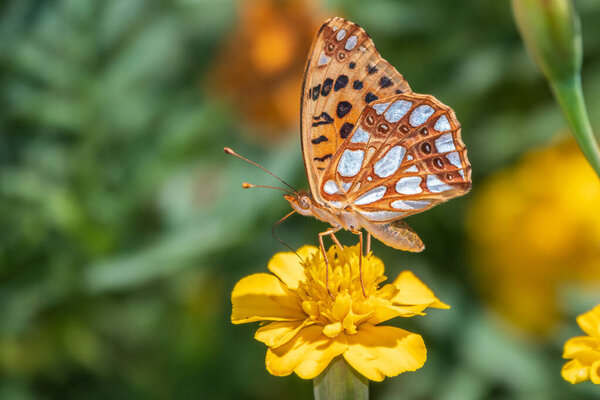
pixel 304 203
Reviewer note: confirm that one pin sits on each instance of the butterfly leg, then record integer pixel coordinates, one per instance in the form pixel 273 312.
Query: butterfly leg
pixel 336 241
pixel 327 232
pixel 360 259
pixel 368 243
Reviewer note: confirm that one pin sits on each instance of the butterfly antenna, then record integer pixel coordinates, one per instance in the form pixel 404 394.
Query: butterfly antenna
pixel 233 153
pixel 247 185
pixel 280 240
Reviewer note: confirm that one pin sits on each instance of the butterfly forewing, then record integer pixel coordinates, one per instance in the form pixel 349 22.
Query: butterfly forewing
pixel 344 73
pixel 404 156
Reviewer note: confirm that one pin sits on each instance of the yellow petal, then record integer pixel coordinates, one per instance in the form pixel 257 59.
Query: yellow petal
pixel 276 334
pixel 384 310
pixel 575 372
pixel 332 330
pixel 590 322
pixel 341 306
pixel 595 372
pixel 582 348
pixel 380 351
pixel 288 267
pixel 307 354
pixel 261 297
pixel 413 292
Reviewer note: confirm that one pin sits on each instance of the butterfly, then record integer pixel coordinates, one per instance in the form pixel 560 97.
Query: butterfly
pixel 374 151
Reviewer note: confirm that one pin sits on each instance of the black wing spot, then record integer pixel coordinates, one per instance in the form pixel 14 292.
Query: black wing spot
pixel 346 129
pixel 343 108
pixel 326 87
pixel 325 157
pixel 370 97
pixel 340 82
pixel 357 85
pixel 385 81
pixel 315 92
pixel 352 65
pixel 322 119
pixel 320 139
pixel 371 69
pixel 399 91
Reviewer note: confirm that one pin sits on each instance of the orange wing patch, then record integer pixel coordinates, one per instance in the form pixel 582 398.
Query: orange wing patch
pixel 344 73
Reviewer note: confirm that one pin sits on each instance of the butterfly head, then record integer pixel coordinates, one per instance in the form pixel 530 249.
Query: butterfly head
pixel 301 202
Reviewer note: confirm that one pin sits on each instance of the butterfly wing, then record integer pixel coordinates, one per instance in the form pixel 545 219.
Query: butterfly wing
pixel 404 156
pixel 344 73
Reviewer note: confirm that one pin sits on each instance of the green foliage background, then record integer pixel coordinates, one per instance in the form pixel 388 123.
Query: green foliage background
pixel 123 227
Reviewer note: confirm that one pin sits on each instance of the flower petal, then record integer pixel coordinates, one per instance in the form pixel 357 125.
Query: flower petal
pixel 582 348
pixel 414 292
pixel 383 310
pixel 289 268
pixel 595 372
pixel 276 334
pixel 380 351
pixel 307 354
pixel 590 322
pixel 261 297
pixel 575 372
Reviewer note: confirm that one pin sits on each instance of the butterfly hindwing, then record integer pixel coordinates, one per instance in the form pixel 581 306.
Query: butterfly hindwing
pixel 344 73
pixel 404 156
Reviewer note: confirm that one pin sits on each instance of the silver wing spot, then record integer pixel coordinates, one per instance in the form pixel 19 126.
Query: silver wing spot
pixel 397 110
pixel 350 162
pixel 390 162
pixel 420 114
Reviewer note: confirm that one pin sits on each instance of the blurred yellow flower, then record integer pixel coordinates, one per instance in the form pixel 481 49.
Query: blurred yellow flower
pixel 306 327
pixel 260 67
pixel 584 351
pixel 533 228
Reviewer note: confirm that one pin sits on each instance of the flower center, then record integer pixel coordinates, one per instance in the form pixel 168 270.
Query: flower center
pixel 344 306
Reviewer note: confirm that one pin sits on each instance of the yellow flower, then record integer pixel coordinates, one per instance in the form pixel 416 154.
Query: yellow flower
pixel 544 211
pixel 584 351
pixel 306 327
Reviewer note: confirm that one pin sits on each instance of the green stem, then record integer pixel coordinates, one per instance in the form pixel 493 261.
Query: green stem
pixel 570 97
pixel 340 381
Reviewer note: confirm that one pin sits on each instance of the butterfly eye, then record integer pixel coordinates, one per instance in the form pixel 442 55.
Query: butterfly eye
pixel 424 131
pixel 304 202
pixel 438 162
pixel 426 148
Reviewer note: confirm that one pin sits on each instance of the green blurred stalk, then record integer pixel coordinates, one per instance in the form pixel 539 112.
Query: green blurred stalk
pixel 569 95
pixel 340 381
pixel 551 30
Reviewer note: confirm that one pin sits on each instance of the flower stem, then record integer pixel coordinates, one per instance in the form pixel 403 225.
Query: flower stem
pixel 341 382
pixel 570 97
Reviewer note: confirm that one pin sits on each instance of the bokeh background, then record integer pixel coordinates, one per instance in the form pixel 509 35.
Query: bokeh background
pixel 123 226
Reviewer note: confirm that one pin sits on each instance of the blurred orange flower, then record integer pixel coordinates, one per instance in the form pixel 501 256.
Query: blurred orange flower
pixel 584 351
pixel 306 327
pixel 533 228
pixel 262 64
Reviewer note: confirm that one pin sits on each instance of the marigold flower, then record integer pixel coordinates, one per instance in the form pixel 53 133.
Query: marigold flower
pixel 584 351
pixel 545 210
pixel 306 327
